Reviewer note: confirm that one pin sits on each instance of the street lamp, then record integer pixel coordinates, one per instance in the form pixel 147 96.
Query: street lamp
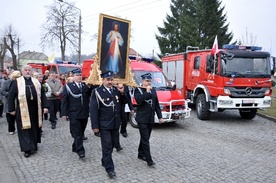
pixel 79 51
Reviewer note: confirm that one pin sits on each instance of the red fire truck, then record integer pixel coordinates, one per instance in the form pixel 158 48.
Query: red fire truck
pixel 238 77
pixel 174 107
pixel 60 67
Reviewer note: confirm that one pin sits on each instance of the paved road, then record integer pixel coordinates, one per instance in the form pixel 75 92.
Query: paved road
pixel 223 149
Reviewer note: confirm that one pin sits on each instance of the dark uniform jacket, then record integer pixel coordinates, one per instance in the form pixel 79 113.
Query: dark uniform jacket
pixel 73 104
pixel 128 99
pixel 105 108
pixel 147 105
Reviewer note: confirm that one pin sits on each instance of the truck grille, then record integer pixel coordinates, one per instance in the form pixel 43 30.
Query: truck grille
pixel 248 92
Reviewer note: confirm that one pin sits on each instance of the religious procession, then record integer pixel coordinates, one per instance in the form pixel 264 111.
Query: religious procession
pixel 30 99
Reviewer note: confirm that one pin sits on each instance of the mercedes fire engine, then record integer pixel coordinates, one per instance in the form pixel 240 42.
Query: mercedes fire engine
pixel 237 77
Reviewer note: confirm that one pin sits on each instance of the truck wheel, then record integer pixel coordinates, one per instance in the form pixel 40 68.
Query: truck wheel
pixel 248 113
pixel 132 120
pixel 202 107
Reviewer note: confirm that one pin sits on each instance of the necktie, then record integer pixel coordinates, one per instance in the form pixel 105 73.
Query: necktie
pixel 80 86
pixel 111 91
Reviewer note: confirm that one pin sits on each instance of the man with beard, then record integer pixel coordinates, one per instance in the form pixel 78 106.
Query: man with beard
pixel 26 100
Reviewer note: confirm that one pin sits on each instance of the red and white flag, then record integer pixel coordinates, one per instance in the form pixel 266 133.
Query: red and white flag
pixel 215 49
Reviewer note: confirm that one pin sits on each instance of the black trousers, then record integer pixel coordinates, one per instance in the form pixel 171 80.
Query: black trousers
pixel 77 128
pixel 1 109
pixel 53 109
pixel 124 120
pixel 11 122
pixel 144 146
pixel 108 140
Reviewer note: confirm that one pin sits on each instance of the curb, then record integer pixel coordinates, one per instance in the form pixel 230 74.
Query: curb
pixel 267 117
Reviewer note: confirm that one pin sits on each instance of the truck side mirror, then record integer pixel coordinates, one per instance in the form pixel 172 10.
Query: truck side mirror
pixel 185 56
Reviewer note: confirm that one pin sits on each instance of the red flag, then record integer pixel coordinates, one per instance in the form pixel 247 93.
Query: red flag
pixel 215 49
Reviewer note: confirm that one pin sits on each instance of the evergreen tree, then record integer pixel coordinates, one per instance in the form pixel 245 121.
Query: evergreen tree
pixel 193 23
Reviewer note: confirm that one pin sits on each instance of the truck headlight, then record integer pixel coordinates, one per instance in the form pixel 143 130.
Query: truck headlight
pixel 227 91
pixel 267 91
pixel 267 102
pixel 162 107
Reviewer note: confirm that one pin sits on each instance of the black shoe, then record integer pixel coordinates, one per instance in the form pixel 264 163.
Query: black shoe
pixel 119 149
pixel 143 158
pixel 125 134
pixel 151 165
pixel 27 154
pixel 84 138
pixel 53 126
pixel 82 156
pixel 97 134
pixel 111 174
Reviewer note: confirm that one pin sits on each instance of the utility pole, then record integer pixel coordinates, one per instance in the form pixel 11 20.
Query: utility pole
pixel 18 52
pixel 3 49
pixel 79 51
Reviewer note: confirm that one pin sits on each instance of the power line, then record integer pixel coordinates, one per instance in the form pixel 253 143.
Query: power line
pixel 138 9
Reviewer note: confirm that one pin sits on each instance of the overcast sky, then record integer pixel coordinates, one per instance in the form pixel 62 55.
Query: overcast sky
pixel 27 17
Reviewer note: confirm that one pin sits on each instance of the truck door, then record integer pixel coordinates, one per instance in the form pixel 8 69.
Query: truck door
pixel 195 65
pixel 211 74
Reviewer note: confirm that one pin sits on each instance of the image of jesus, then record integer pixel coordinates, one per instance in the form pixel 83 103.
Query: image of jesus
pixel 115 40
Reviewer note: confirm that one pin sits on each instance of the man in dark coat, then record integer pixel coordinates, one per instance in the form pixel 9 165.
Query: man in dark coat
pixel 105 108
pixel 75 106
pixel 147 106
pixel 124 114
pixel 25 100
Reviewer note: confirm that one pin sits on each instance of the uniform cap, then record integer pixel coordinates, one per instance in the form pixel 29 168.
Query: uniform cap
pixel 107 74
pixel 76 71
pixel 146 76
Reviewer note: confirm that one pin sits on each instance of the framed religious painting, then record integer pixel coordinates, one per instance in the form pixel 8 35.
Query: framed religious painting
pixel 113 47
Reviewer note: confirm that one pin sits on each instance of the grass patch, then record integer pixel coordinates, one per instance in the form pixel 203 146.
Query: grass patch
pixel 271 110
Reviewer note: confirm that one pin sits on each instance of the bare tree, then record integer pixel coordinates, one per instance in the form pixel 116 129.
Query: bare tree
pixel 248 39
pixel 11 41
pixel 61 27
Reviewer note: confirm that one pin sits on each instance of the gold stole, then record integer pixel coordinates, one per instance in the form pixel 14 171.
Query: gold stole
pixel 25 116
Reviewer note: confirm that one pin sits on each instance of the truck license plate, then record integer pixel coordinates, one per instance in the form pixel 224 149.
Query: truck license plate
pixel 248 101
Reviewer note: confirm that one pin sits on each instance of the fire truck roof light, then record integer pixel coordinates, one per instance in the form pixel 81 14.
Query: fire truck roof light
pixel 148 59
pixel 143 58
pixel 73 62
pixel 237 47
pixel 59 61
pixel 65 62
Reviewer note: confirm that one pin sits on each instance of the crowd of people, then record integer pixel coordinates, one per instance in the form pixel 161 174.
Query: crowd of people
pixel 28 98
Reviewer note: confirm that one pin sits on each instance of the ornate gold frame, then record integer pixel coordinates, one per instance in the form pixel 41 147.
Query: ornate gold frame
pixel 95 74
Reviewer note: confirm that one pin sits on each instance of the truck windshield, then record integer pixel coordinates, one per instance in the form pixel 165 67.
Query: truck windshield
pixel 159 81
pixel 66 69
pixel 246 67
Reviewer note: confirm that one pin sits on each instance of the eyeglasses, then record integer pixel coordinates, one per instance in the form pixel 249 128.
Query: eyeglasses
pixel 147 80
pixel 77 74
